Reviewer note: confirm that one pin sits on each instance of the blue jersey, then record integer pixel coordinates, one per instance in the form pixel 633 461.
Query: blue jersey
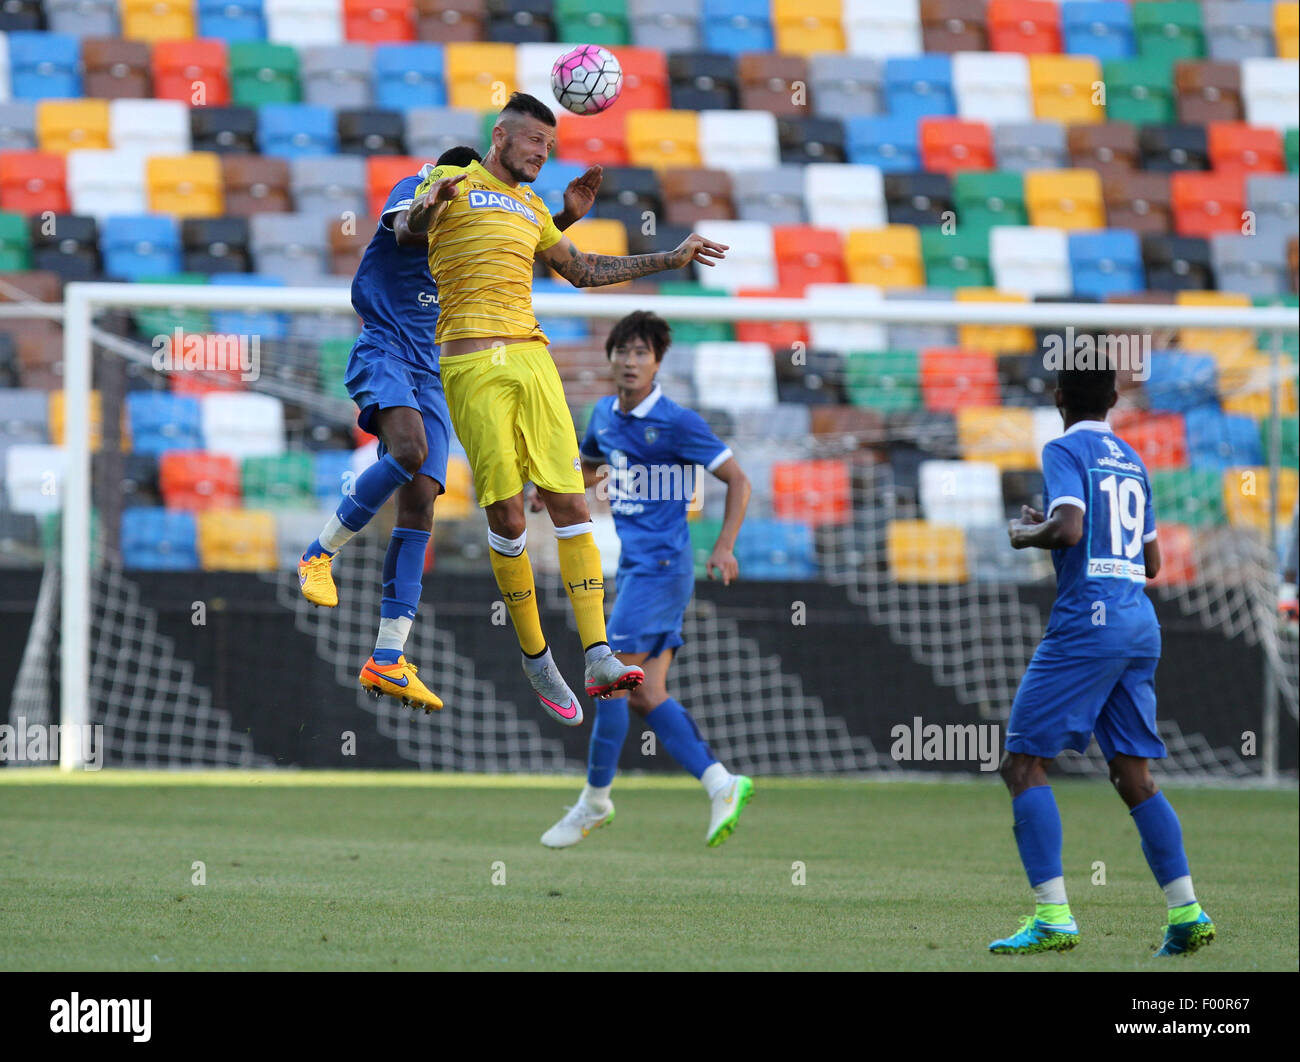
pixel 652 452
pixel 1102 608
pixel 393 292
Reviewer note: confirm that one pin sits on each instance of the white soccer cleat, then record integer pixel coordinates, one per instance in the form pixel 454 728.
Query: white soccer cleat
pixel 728 803
pixel 609 673
pixel 576 824
pixel 553 691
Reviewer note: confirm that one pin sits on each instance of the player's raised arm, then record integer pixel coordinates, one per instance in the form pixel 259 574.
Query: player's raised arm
pixel 584 270
pixel 579 198
pixel 723 557
pixel 411 226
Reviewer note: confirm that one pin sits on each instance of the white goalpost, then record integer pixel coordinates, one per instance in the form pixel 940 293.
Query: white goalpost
pixel 83 301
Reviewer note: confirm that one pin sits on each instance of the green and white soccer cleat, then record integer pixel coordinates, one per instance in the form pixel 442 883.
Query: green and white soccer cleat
pixel 576 824
pixel 727 806
pixel 1035 936
pixel 1187 937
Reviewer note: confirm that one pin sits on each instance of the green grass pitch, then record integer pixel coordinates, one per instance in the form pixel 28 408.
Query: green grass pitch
pixel 328 871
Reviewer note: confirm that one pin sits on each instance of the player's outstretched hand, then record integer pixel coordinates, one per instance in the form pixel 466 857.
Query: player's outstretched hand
pixel 725 563
pixel 695 248
pixel 1030 516
pixel 445 189
pixel 580 194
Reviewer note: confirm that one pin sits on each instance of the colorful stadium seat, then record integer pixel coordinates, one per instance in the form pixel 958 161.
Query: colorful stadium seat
pixel 804 27
pixel 1139 90
pixel 1065 199
pixel 1106 262
pixel 890 143
pixel 919 85
pixel 159 539
pixel 1270 90
pixel 1169 30
pixel 195 480
pixel 952 144
pixel 263 72
pixel 735 26
pixel 194 72
pixel 887 257
pixel 236 540
pixel 1102 28
pixel 160 422
pixel 997 338
pixel 952 26
pixel 1206 203
pixel 64 125
pixel 377 21
pixel 1030 260
pixel 1031 27
pixel 188 185
pixel 1067 88
pixel 231 20
pixel 921 552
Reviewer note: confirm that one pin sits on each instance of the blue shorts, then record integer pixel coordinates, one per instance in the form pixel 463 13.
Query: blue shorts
pixel 648 611
pixel 378 380
pixel 1063 701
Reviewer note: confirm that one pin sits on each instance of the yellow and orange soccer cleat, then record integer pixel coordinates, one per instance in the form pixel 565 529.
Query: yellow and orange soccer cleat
pixel 400 681
pixel 317 582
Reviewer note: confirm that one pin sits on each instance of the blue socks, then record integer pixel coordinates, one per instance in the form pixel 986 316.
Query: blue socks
pixel 681 737
pixel 1038 833
pixel 403 576
pixel 373 487
pixel 607 735
pixel 1162 839
pixel 671 723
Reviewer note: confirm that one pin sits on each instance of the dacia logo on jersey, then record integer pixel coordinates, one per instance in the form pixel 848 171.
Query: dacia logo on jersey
pixel 496 201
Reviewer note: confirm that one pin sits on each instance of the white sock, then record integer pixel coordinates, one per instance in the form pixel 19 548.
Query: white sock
pixel 393 633
pixel 596 796
pixel 335 536
pixel 1179 892
pixel 715 779
pixel 1050 891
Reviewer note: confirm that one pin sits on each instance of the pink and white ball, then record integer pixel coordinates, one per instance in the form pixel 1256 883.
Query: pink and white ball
pixel 586 80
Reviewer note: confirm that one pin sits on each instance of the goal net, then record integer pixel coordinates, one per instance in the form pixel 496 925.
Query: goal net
pixel 200 435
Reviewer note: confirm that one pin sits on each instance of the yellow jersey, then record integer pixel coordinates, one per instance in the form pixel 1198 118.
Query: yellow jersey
pixel 481 250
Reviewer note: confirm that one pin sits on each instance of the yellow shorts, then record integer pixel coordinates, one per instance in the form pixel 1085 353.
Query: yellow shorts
pixel 508 408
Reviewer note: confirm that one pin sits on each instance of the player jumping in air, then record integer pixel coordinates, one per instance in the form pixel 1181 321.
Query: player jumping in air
pixel 485 226
pixel 392 375
pixel 1094 671
pixel 650 447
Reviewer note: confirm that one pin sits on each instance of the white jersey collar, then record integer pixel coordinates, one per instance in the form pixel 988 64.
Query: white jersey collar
pixel 1088 425
pixel 642 408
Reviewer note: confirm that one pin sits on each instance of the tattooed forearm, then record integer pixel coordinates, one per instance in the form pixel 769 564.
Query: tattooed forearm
pixel 596 270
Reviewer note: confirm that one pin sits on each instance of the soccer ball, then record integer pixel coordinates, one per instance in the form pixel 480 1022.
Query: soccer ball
pixel 587 79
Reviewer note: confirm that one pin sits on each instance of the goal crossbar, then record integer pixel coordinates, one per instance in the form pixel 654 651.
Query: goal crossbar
pixel 83 300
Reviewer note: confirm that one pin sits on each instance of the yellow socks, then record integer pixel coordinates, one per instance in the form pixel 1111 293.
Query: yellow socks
pixel 515 580
pixel 580 569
